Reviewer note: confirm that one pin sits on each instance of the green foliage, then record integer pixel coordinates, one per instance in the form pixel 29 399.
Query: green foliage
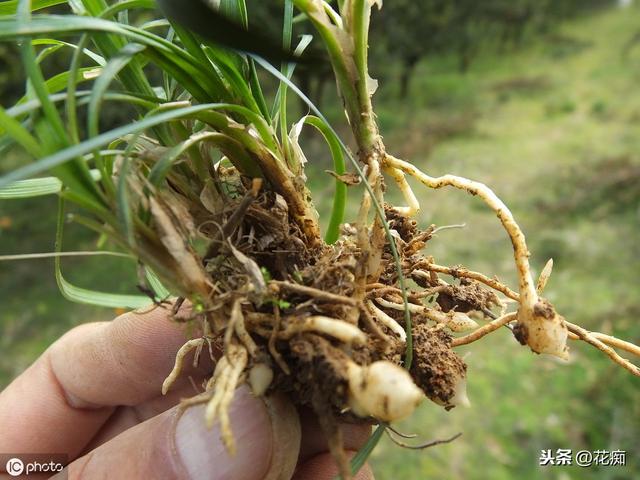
pixel 172 78
pixel 172 66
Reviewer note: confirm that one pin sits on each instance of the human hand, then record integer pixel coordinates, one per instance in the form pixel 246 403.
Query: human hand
pixel 94 395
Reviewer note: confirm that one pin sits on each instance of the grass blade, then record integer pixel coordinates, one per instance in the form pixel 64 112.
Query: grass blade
pixel 20 134
pixel 82 295
pixel 33 187
pixel 156 285
pixel 340 195
pixel 101 140
pixel 360 458
pixel 10 7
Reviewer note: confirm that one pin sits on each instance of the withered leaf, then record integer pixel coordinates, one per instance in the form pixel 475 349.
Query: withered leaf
pixel 252 269
pixel 190 268
pixel 349 179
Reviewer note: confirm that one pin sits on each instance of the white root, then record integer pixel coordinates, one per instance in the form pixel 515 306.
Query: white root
pixel 382 390
pixel 387 321
pixel 455 321
pixel 448 227
pixel 412 307
pixel 237 320
pixel 484 330
pixel 343 331
pixel 543 329
pixel 413 206
pixel 196 343
pixel 600 341
pixel 228 372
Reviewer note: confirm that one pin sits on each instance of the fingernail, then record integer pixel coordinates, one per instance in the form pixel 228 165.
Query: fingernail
pixel 204 456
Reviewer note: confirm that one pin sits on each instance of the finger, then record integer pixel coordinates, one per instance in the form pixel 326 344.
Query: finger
pixel 267 434
pixel 63 399
pixel 323 467
pixel 133 353
pixel 125 417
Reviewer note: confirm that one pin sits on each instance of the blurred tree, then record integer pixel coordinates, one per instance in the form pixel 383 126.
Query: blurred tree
pixel 407 31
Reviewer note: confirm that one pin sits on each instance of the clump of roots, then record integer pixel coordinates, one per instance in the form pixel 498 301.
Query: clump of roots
pixel 302 318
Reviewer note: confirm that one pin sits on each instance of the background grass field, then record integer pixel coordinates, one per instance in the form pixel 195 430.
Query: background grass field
pixel 554 128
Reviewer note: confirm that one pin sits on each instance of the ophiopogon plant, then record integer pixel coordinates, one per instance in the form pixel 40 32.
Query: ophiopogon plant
pixel 206 189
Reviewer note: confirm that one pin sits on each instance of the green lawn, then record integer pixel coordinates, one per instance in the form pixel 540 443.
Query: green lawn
pixel 554 129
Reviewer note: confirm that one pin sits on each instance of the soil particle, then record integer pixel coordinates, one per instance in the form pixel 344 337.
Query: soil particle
pixel 406 227
pixel 467 296
pixel 544 309
pixel 320 372
pixel 521 333
pixel 436 368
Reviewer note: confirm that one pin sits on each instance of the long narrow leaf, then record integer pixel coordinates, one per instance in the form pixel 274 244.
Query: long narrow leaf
pixel 82 295
pixel 101 140
pixel 98 59
pixel 20 134
pixel 10 7
pixel 33 187
pixel 359 459
pixel 156 285
pixel 340 195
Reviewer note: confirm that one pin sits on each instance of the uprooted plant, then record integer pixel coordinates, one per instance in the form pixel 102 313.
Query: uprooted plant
pixel 207 190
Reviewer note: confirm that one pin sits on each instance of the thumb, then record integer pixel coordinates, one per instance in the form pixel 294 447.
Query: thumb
pixel 266 431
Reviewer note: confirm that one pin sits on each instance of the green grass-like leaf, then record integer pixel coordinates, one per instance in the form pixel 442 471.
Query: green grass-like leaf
pixel 156 285
pixel 17 132
pixel 360 458
pixel 82 295
pixel 340 195
pixel 101 140
pixel 33 187
pixel 10 7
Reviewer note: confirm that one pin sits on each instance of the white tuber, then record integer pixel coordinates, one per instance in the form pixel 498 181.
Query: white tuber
pixel 260 377
pixel 382 390
pixel 543 329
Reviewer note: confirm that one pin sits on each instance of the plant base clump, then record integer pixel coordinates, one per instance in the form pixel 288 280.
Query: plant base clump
pixel 293 317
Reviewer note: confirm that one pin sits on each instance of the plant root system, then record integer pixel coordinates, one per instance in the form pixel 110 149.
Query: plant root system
pixel 312 321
